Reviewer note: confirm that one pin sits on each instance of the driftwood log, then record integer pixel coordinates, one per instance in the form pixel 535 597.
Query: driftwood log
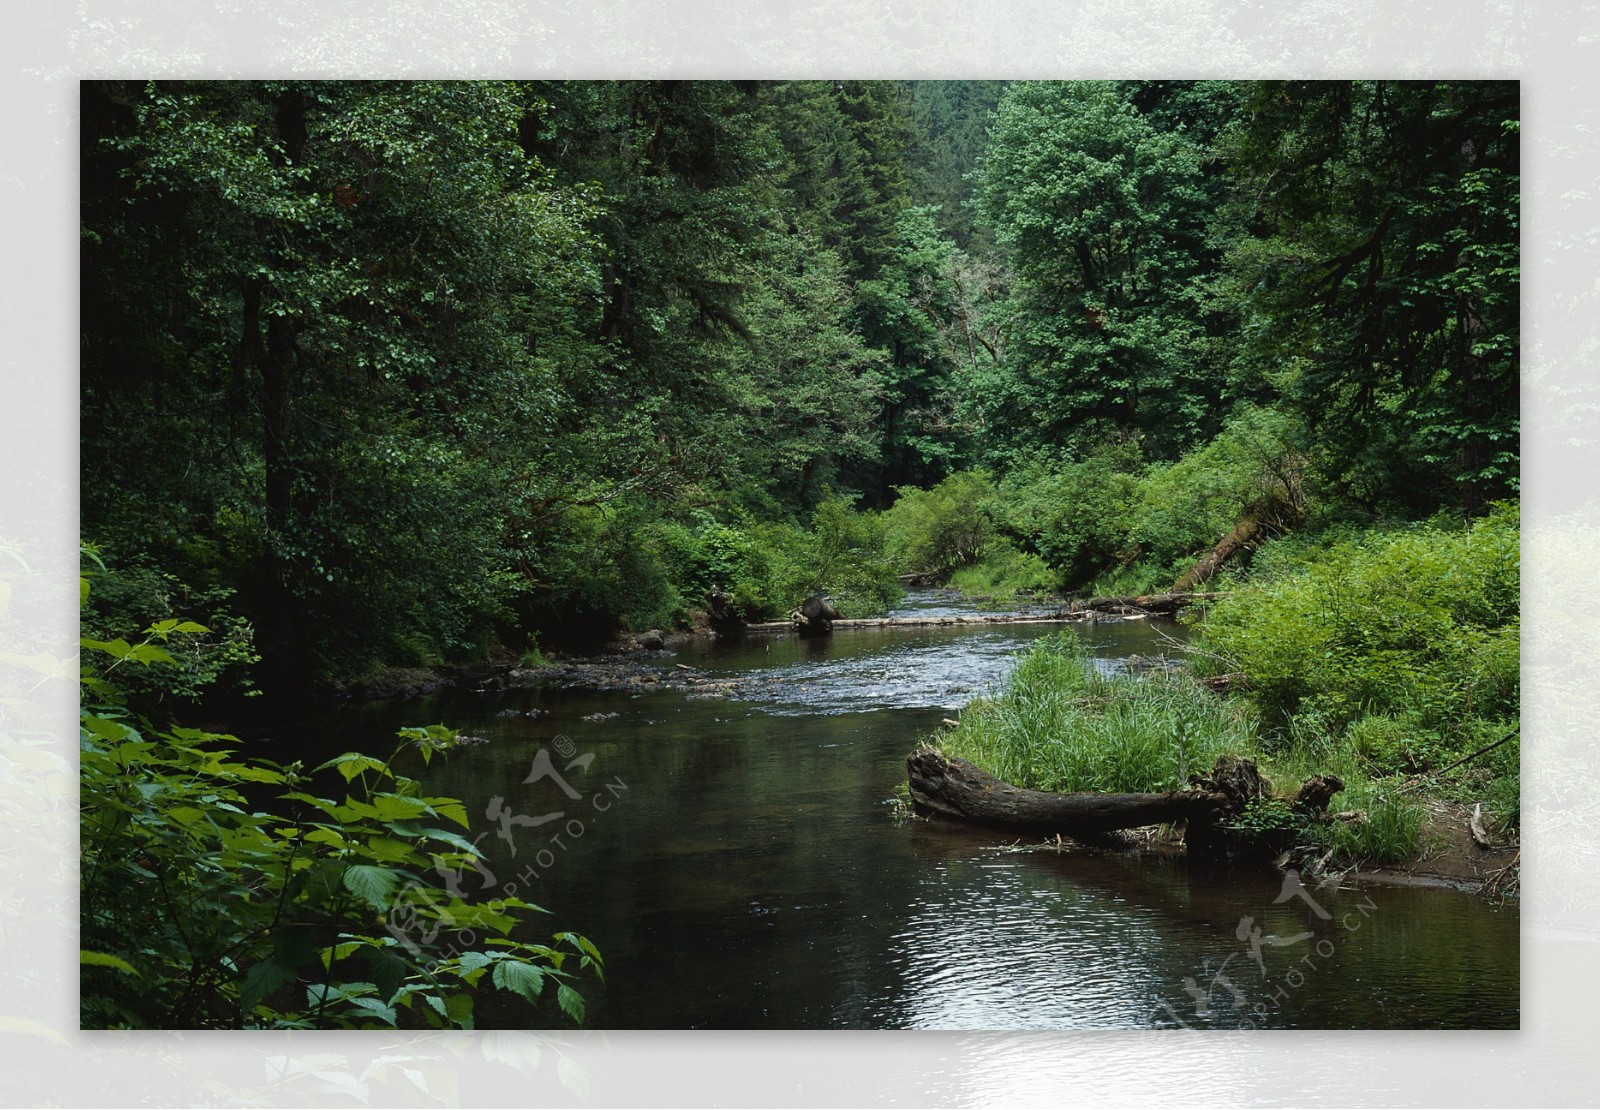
pixel 955 788
pixel 952 787
pixel 1132 605
pixel 1160 604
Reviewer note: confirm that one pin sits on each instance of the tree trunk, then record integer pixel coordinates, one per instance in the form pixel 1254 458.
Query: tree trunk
pixel 1243 537
pixel 815 616
pixel 957 789
pixel 1164 604
pixel 272 356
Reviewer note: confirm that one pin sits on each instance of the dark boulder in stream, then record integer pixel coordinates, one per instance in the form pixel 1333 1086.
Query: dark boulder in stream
pixel 815 616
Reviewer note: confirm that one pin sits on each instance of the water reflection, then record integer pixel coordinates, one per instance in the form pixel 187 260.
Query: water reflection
pixel 750 875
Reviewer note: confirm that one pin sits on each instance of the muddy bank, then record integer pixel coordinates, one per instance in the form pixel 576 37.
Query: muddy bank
pixel 1450 858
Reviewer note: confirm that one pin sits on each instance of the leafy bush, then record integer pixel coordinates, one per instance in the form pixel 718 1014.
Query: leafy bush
pixel 1265 816
pixel 207 646
pixel 1004 572
pixel 1183 508
pixel 1074 515
pixel 1420 624
pixel 942 529
pixel 201 910
pixel 847 561
pixel 768 568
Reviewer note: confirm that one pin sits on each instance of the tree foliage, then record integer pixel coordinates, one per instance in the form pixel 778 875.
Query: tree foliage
pixel 1378 277
pixel 1104 218
pixel 402 372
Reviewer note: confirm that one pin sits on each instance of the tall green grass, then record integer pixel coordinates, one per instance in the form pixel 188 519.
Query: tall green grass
pixel 1059 725
pixel 1392 830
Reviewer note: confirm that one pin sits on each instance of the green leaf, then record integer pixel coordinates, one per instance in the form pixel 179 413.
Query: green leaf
pixel 150 653
pixel 398 807
pixel 338 952
pixel 261 980
pixel 323 804
pixel 351 764
pixel 451 810
pixel 378 1008
pixel 472 961
pixel 101 959
pixel 374 884
pixel 571 1002
pixel 455 840
pixel 458 1007
pixel 322 834
pixel 522 978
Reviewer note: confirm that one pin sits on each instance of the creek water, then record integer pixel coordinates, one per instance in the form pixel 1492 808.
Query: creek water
pixel 740 864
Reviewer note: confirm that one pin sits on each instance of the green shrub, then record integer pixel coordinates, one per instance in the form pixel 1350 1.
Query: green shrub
pixel 199 909
pixel 942 529
pixel 846 559
pixel 1265 816
pixel 209 646
pixel 1004 572
pixel 1075 515
pixel 1183 508
pixel 768 568
pixel 1421 621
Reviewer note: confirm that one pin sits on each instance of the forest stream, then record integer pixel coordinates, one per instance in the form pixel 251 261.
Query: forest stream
pixel 740 863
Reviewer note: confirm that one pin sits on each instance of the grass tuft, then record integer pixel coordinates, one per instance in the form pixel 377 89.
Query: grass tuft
pixel 1060 725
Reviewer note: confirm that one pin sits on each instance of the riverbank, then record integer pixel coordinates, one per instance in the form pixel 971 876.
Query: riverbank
pixel 1449 859
pixel 648 659
pixel 1437 849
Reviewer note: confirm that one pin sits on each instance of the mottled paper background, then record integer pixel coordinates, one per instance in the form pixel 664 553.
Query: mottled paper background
pixel 1549 46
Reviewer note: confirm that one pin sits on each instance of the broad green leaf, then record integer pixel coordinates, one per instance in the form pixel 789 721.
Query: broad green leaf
pixel 261 980
pixel 451 810
pixel 338 952
pixel 374 884
pixel 458 1007
pixel 150 653
pixel 455 840
pixel 351 764
pixel 102 959
pixel 323 804
pixel 571 1002
pixel 472 961
pixel 386 849
pixel 397 807
pixel 523 978
pixel 378 1008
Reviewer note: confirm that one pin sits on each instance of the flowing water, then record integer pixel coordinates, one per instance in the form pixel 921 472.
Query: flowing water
pixel 740 864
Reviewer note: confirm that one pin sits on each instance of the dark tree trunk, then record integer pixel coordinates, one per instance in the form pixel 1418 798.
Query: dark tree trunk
pixel 1244 536
pixel 273 357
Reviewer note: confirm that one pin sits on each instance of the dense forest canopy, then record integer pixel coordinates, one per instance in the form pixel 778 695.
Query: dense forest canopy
pixel 399 373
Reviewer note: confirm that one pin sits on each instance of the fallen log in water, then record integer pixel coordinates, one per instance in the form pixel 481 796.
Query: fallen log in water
pixel 920 622
pixel 1163 604
pixel 1141 605
pixel 955 788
